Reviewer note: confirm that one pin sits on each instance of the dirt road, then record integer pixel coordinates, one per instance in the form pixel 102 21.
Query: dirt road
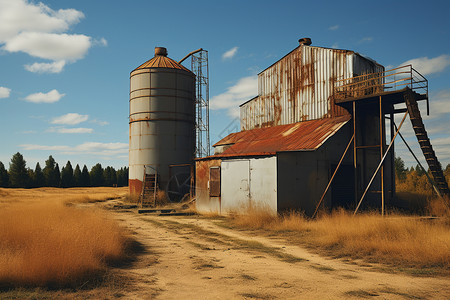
pixel 198 258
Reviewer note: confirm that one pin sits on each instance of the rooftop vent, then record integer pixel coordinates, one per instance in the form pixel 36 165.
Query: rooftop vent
pixel 304 41
pixel 161 51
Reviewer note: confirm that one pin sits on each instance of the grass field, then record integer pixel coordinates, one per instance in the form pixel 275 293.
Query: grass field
pixel 406 241
pixel 46 243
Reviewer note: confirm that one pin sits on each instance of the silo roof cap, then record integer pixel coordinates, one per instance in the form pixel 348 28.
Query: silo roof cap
pixel 162 61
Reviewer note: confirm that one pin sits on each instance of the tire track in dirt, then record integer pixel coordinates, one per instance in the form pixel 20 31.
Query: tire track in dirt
pixel 193 258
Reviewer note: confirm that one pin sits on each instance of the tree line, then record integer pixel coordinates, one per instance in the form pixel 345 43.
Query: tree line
pixel 20 176
pixel 413 179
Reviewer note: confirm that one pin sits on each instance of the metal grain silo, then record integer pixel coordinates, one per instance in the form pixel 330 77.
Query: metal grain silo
pixel 162 117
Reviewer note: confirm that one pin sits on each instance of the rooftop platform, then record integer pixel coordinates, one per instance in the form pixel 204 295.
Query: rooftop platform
pixel 390 85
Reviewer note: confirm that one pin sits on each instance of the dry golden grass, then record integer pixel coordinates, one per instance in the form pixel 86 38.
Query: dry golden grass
pixel 395 239
pixel 57 195
pixel 45 243
pixel 439 207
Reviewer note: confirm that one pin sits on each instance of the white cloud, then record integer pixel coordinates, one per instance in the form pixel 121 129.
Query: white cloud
pixel 50 97
pixel 243 90
pixel 335 46
pixel 50 45
pixel 4 92
pixel 334 27
pixel 39 31
pixel 367 39
pixel 54 67
pixel 101 123
pixel 230 53
pixel 18 16
pixel 427 65
pixel 70 119
pixel 440 103
pixel 101 42
pixel 90 148
pixel 70 130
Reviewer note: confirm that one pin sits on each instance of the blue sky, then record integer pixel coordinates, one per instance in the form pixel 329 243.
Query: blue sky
pixel 65 65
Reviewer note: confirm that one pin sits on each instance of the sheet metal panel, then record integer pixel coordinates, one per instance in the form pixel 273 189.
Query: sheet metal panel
pixel 299 87
pixel 249 182
pixel 235 186
pixel 263 183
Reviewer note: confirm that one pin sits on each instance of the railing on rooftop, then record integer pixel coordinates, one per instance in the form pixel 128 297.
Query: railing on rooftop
pixel 380 82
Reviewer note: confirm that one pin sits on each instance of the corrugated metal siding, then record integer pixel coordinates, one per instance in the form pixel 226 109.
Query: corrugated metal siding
pixel 299 87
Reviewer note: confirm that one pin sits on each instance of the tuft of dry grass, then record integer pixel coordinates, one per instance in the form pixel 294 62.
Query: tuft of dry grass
pixel 52 245
pixel 90 198
pixel 439 207
pixel 396 239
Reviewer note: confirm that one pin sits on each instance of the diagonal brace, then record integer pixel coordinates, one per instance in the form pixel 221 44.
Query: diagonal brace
pixel 332 177
pixel 381 163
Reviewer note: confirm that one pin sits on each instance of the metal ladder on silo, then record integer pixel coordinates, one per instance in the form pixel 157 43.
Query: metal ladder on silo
pixel 149 190
pixel 424 141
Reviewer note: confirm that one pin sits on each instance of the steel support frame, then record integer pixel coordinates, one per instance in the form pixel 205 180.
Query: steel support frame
pixel 200 67
pixel 382 155
pixel 381 163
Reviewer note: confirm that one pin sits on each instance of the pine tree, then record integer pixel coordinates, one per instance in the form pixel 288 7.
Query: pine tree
pixel 31 178
pixel 77 176
pixel 57 175
pixel 18 174
pixel 122 177
pixel 96 175
pixel 400 169
pixel 51 178
pixel 85 178
pixel 39 179
pixel 67 179
pixel 4 178
pixel 110 176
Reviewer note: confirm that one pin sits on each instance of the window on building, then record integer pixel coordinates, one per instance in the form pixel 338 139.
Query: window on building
pixel 214 181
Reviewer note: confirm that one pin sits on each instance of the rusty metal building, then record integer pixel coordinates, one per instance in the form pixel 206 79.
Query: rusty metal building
pixel 293 136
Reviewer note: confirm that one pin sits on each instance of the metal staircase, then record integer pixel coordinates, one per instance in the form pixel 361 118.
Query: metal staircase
pixel 424 141
pixel 149 190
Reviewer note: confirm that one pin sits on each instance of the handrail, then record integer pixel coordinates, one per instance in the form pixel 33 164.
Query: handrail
pixel 378 82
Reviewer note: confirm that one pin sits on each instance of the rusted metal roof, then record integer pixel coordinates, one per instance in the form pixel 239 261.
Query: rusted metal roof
pixel 160 61
pixel 301 136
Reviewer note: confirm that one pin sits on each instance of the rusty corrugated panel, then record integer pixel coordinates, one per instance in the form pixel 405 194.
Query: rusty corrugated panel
pixel 205 202
pixel 301 136
pixel 299 87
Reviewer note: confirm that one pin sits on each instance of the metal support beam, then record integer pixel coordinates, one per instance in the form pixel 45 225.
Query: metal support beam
pixel 355 170
pixel 332 177
pixel 381 156
pixel 381 163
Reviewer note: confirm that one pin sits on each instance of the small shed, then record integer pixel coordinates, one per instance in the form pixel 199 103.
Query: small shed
pixel 277 168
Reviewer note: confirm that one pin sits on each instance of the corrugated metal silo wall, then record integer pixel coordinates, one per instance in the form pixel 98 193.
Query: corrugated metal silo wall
pixel 162 117
pixel 299 87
